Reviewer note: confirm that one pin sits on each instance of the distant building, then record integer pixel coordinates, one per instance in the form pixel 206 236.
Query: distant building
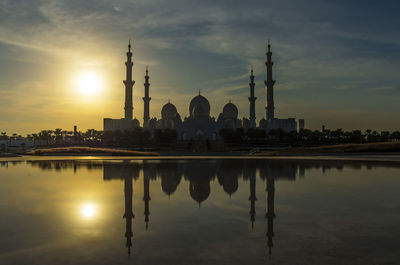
pixel 301 124
pixel 199 124
pixel 20 144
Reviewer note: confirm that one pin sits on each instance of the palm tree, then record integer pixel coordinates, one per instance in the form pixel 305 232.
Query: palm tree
pixel 35 137
pixel 45 135
pixel 58 135
pixel 4 136
pixel 368 131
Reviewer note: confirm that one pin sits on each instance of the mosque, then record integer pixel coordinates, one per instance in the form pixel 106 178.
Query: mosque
pixel 199 124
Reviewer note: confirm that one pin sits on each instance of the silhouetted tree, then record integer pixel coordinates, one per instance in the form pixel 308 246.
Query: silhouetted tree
pixel 167 136
pixel 255 134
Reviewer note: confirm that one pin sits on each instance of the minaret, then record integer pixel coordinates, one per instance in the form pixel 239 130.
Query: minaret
pixel 128 84
pixel 128 190
pixel 252 100
pixel 146 198
pixel 270 210
pixel 252 199
pixel 146 100
pixel 269 83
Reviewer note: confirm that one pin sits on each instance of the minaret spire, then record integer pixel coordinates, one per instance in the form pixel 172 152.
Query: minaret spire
pixel 146 100
pixel 146 198
pixel 252 100
pixel 270 210
pixel 128 84
pixel 252 199
pixel 128 190
pixel 269 83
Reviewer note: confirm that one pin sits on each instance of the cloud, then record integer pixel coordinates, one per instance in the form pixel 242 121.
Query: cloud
pixel 323 50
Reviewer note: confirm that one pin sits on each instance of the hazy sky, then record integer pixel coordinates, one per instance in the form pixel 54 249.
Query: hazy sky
pixel 336 62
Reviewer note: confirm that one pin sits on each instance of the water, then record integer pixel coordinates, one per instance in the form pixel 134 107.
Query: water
pixel 199 212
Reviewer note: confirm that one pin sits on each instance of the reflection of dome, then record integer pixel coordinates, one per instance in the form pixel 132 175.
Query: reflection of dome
pixel 230 111
pixel 169 183
pixel 230 184
pixel 168 111
pixel 199 190
pixel 199 107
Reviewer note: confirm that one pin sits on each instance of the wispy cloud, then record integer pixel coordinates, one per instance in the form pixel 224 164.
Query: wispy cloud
pixel 323 50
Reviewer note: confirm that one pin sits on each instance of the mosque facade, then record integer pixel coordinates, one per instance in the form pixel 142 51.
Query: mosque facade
pixel 199 124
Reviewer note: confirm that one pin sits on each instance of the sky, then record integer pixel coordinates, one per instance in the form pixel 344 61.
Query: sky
pixel 335 62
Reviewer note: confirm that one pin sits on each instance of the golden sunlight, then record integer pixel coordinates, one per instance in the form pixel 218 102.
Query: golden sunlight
pixel 89 83
pixel 88 211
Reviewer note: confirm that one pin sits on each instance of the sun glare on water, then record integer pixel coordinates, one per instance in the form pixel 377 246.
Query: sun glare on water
pixel 89 83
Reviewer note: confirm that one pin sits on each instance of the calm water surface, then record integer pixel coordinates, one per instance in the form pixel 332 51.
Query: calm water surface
pixel 199 212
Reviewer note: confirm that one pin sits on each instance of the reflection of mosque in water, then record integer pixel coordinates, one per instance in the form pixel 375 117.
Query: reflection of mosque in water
pixel 199 174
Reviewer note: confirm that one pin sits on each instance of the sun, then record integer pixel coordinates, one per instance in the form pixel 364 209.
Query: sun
pixel 88 83
pixel 88 211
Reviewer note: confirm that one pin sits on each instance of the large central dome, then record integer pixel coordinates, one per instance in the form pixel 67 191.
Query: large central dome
pixel 199 107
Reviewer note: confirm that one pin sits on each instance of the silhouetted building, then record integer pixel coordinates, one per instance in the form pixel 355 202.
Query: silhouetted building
pixel 199 125
pixel 269 83
pixel 146 100
pixel 272 123
pixel 127 123
pixel 252 100
pixel 301 124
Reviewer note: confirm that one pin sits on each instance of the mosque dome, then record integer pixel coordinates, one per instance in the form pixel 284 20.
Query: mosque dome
pixel 199 106
pixel 168 111
pixel 230 111
pixel 199 112
pixel 136 122
pixel 263 123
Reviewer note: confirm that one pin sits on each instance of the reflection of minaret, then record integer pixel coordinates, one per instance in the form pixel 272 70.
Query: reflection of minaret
pixel 128 85
pixel 270 86
pixel 128 189
pixel 252 100
pixel 146 198
pixel 252 199
pixel 146 99
pixel 270 211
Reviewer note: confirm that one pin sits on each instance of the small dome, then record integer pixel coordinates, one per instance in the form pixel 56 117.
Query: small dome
pixel 263 123
pixel 230 111
pixel 168 111
pixel 136 122
pixel 201 104
pixel 199 191
pixel 230 185
pixel 169 183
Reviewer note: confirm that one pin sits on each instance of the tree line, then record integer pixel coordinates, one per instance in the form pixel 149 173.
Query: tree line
pixel 306 137
pixel 139 136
